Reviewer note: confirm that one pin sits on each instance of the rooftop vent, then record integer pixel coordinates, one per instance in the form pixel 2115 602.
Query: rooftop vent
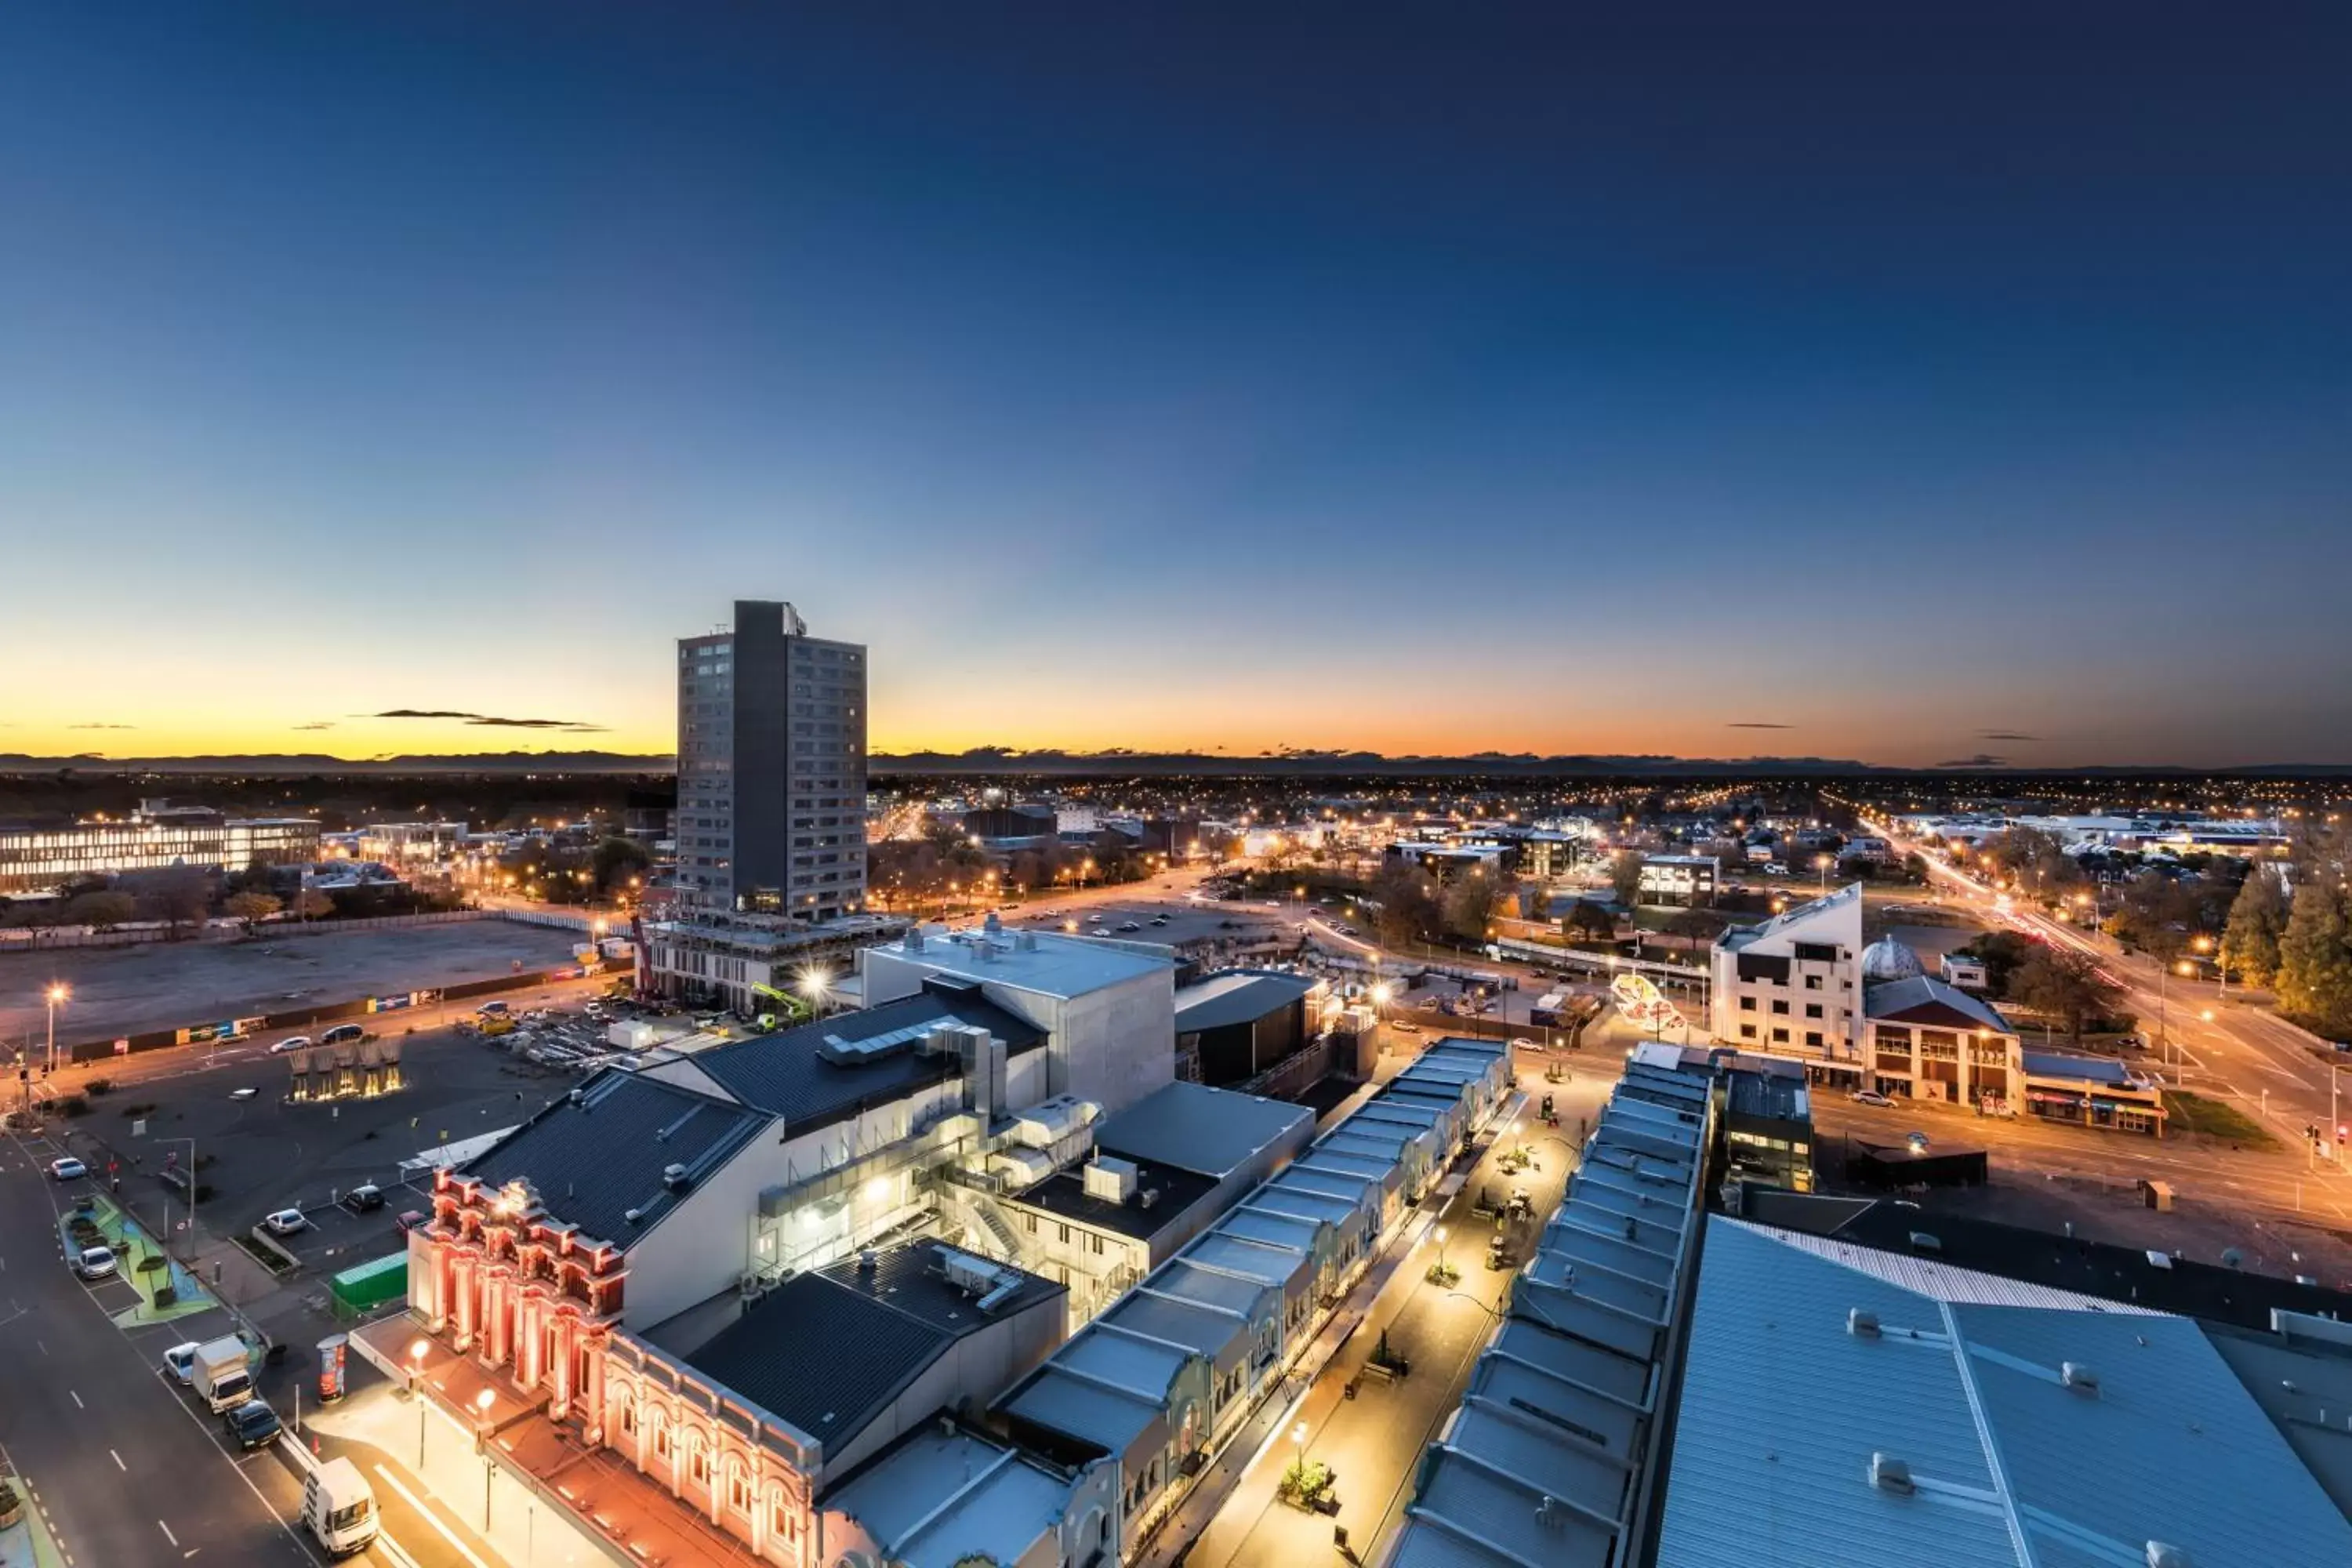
pixel 992 925
pixel 634 1215
pixel 674 1177
pixel 2079 1376
pixel 914 942
pixel 868 1260
pixel 1552 1513
pixel 1862 1324
pixel 1889 1473
pixel 1926 1241
pixel 1025 941
pixel 2164 1555
pixel 577 1097
pixel 1147 1197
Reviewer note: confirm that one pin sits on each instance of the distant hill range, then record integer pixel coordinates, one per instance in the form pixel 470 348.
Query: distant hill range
pixel 995 759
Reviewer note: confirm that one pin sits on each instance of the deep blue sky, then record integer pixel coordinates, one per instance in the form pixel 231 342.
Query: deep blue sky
pixel 1353 376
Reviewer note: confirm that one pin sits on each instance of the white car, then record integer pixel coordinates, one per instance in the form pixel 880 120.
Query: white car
pixel 68 1170
pixel 1872 1096
pixel 290 1042
pixel 181 1361
pixel 285 1222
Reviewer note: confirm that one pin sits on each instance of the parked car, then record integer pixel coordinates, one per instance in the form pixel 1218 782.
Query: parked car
pixel 366 1198
pixel 180 1361
pixel 290 1042
pixel 95 1263
pixel 68 1170
pixel 1872 1096
pixel 285 1222
pixel 1131 925
pixel 1405 1028
pixel 412 1220
pixel 344 1035
pixel 251 1424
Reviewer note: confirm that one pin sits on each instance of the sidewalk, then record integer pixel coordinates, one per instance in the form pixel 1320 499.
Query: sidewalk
pixel 27 1544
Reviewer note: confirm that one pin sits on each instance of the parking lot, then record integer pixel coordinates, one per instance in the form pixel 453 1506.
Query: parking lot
pixel 117 991
pixel 258 1152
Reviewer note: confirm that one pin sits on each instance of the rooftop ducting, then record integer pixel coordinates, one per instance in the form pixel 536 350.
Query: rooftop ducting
pixel 1110 1179
pixel 2079 1377
pixel 1862 1324
pixel 1889 1473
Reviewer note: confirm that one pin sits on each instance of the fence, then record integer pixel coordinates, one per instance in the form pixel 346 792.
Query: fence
pixel 34 939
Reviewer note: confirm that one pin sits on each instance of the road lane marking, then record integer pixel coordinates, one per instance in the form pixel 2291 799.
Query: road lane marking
pixel 118 1464
pixel 167 1533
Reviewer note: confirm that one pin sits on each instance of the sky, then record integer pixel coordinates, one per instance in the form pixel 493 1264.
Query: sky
pixel 1906 384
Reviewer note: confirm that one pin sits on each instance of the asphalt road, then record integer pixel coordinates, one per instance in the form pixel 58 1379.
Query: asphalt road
pixel 127 1472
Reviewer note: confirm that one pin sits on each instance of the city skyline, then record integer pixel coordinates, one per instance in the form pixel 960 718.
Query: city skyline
pixel 1920 394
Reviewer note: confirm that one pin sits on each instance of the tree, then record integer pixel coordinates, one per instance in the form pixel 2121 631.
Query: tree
pixel 1696 927
pixel 615 860
pixel 1469 904
pixel 2258 917
pixel 1626 876
pixel 1587 919
pixel 2066 985
pixel 311 904
pixel 100 911
pixel 1408 904
pixel 182 897
pixel 2314 973
pixel 253 905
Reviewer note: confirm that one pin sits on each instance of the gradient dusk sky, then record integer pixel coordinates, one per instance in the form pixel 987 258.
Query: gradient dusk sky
pixel 1738 380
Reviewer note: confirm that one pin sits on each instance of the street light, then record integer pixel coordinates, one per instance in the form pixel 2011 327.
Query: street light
pixel 417 1349
pixel 57 993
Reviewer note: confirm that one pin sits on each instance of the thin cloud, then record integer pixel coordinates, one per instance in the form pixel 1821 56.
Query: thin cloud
pixel 2004 735
pixel 102 726
pixel 322 724
pixel 571 726
pixel 1756 724
pixel 1981 760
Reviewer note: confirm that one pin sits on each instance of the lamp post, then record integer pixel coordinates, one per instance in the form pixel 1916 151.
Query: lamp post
pixel 1440 1250
pixel 56 994
pixel 482 1403
pixel 417 1349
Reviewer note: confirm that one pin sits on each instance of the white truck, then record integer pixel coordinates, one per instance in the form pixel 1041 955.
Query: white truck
pixel 220 1374
pixel 339 1507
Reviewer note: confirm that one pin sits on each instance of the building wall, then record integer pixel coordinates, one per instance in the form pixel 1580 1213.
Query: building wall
pixel 703 1246
pixel 1742 1011
pixel 740 1468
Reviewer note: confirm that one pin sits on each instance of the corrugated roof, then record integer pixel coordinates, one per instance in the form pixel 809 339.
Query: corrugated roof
pixel 1212 1132
pixel 1053 965
pixel 594 1159
pixel 1542 1464
pixel 938 1499
pixel 2011 1467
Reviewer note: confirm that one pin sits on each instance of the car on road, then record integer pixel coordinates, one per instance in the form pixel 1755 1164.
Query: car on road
pixel 366 1198
pixel 1130 925
pixel 95 1263
pixel 285 1222
pixel 1405 1028
pixel 290 1042
pixel 344 1035
pixel 68 1170
pixel 180 1361
pixel 243 1093
pixel 1872 1096
pixel 251 1424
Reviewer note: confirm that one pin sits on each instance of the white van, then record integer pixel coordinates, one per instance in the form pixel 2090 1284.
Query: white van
pixel 339 1507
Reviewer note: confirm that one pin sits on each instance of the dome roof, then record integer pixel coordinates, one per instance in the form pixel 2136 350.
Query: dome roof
pixel 1887 959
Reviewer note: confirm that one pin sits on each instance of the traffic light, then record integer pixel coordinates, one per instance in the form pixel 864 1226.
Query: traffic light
pixel 2343 1131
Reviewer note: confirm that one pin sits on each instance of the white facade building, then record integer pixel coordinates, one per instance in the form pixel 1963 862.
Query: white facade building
pixel 1108 1008
pixel 1792 986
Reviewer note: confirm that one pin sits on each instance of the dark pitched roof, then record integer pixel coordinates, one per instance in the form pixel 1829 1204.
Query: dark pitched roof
pixel 598 1153
pixel 2208 1291
pixel 1923 999
pixel 787 1074
pixel 827 1351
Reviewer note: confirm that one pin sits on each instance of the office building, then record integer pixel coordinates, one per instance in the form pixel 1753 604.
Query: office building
pixel 772 768
pixel 1792 985
pixel 1687 880
pixel 36 858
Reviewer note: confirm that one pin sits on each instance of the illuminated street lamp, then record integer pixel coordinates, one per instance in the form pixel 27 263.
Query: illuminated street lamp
pixel 56 994
pixel 416 1351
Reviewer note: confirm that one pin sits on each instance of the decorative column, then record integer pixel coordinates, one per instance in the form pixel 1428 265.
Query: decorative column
pixel 591 1415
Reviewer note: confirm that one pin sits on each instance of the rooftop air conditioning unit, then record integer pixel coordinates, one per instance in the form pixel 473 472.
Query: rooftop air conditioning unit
pixel 674 1177
pixel 1110 1179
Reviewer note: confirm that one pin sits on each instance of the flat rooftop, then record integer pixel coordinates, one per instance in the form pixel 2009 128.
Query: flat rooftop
pixel 1212 1131
pixel 1042 962
pixel 1064 1193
